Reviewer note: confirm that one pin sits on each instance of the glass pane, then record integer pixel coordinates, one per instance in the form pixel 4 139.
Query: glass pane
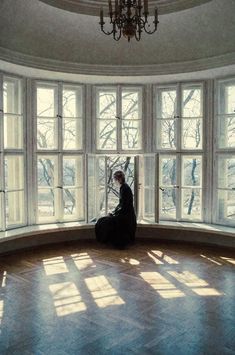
pixel 14 208
pixel 131 135
pixel 168 174
pixel 73 202
pixel 46 171
pixel 106 102
pixel 192 134
pixel 13 132
pixel 72 133
pixel 149 204
pixel 166 134
pixel 166 103
pixel 191 200
pixel 226 205
pixel 46 205
pixel 149 171
pixel 72 101
pixel 226 172
pixel 230 99
pixel 46 101
pixel 14 172
pixel 46 133
pixel 167 203
pixel 131 104
pixel 192 101
pixel 107 135
pixel 1 211
pixel 12 95
pixel 72 171
pixel 227 132
pixel 192 171
pixel 96 183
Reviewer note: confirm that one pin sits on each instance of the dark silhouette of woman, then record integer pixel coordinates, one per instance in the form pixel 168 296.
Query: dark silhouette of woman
pixel 118 228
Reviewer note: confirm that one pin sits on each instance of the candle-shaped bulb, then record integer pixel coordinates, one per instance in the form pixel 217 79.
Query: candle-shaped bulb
pixel 146 6
pixel 101 15
pixel 156 15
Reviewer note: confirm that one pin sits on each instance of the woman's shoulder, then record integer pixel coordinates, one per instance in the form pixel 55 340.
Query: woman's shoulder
pixel 125 187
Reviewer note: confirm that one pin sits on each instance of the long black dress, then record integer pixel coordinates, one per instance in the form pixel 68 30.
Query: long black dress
pixel 119 228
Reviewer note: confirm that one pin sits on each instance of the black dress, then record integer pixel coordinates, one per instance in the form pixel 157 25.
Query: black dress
pixel 119 228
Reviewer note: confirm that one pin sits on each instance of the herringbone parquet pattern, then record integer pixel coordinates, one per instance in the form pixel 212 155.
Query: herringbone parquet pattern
pixel 83 298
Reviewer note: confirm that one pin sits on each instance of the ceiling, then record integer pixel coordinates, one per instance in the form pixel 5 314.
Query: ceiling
pixel 37 34
pixel 92 7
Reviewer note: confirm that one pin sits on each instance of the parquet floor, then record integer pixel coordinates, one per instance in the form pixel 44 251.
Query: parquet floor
pixel 83 298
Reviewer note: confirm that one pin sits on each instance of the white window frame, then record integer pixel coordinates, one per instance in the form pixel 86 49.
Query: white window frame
pixel 118 89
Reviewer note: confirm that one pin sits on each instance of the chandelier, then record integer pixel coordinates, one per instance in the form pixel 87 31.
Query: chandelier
pixel 128 18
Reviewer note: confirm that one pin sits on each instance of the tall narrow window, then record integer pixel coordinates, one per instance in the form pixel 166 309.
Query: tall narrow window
pixel 12 160
pixel 179 127
pixel 60 171
pixel 225 149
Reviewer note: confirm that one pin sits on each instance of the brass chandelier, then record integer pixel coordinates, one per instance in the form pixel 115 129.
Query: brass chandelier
pixel 128 18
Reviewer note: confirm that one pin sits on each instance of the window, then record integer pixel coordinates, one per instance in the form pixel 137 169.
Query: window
pixel 60 162
pixel 12 155
pixel 225 153
pixel 118 118
pixel 179 140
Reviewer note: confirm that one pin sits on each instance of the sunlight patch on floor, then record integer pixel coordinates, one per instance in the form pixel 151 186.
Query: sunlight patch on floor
pixel 53 266
pixel 66 298
pixel 103 292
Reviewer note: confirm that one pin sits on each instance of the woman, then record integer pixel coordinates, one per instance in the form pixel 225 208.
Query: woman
pixel 119 226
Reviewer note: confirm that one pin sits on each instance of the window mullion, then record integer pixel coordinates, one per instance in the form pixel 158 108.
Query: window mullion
pixel 119 118
pixel 59 173
pixel 2 183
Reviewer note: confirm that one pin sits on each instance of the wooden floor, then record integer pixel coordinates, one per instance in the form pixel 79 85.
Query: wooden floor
pixel 152 298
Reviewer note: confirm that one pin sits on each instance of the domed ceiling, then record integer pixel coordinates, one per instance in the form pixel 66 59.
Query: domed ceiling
pixel 192 35
pixel 92 7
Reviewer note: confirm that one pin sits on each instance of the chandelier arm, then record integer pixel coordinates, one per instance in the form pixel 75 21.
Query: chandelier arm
pixel 150 31
pixel 106 32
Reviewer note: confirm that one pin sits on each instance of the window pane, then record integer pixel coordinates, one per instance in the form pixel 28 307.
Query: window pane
pixel 131 134
pixel 107 135
pixel 14 172
pixel 227 132
pixel 166 103
pixel 46 101
pixel 149 188
pixel 192 134
pixel 12 95
pixel 106 102
pixel 14 208
pixel 226 172
pixel 13 131
pixel 192 171
pixel 46 133
pixel 227 98
pixel 131 104
pixel 167 203
pixel 46 205
pixel 72 171
pixel 73 202
pixel 166 134
pixel 72 133
pixel 167 171
pixel 46 171
pixel 192 101
pixel 226 205
pixel 191 200
pixel 72 101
